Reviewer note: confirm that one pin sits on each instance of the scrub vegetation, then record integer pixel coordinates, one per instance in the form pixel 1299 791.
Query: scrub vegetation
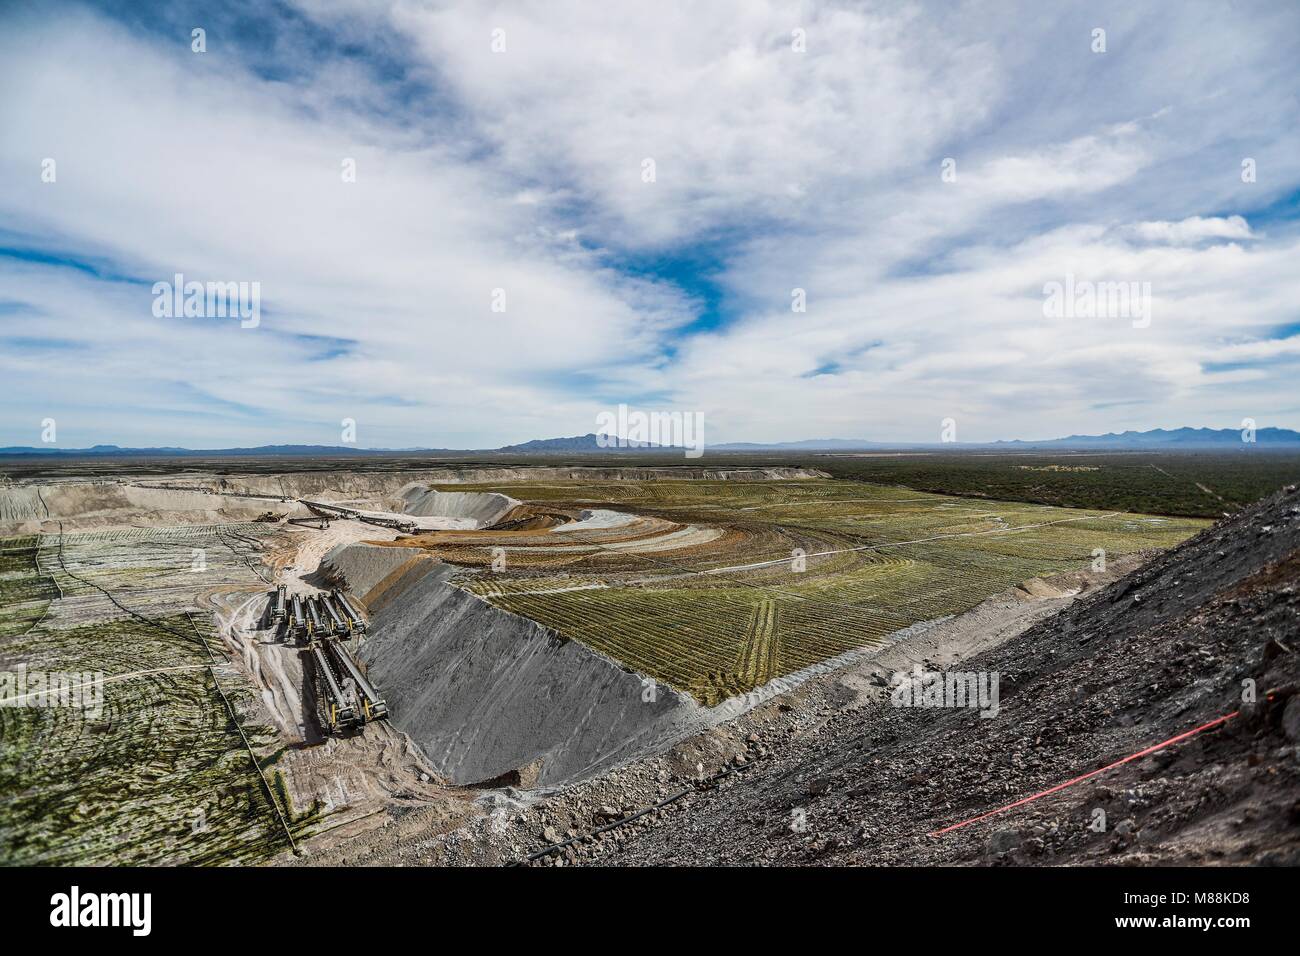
pixel 716 587
pixel 148 766
pixel 1201 484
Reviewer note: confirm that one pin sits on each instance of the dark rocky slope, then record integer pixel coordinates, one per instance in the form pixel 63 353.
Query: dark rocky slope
pixel 1157 653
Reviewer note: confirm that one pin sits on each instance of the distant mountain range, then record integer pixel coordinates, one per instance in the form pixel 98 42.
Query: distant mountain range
pixel 1159 438
pixel 261 451
pixel 578 443
pixel 1154 439
pixel 1165 438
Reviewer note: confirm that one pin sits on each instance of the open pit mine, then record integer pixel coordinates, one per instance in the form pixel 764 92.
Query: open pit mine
pixel 319 665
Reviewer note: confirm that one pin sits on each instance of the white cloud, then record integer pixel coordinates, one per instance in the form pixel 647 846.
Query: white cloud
pixel 775 170
pixel 168 165
pixel 1194 229
pixel 738 123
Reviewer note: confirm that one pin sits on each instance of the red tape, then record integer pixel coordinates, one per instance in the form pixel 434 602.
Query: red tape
pixel 1070 783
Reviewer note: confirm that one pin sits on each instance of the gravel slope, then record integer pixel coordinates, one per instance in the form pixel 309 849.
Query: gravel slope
pixel 485 693
pixel 1153 655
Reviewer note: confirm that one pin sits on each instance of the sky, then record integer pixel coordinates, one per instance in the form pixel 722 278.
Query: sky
pixel 473 224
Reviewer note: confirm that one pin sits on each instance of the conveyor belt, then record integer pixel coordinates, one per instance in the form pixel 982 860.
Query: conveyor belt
pixel 278 605
pixel 340 711
pixel 340 625
pixel 357 623
pixel 315 626
pixel 349 699
pixel 299 622
pixel 373 706
pixel 323 510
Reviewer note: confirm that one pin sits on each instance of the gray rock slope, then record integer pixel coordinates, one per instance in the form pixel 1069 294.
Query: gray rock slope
pixel 482 508
pixel 484 692
pixel 362 566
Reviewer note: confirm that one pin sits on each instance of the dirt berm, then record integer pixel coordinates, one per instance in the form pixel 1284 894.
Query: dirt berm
pixel 488 695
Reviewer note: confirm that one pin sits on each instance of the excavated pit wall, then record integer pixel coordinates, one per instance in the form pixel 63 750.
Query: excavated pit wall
pixel 485 693
pixel 198 499
pixel 90 504
pixel 377 485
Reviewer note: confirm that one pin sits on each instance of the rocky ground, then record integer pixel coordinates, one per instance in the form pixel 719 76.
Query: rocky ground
pixel 832 774
pixel 1153 655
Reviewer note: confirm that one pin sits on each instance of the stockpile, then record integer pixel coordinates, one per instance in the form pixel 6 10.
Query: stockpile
pixel 487 694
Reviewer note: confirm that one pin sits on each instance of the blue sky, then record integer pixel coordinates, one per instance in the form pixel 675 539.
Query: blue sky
pixel 516 175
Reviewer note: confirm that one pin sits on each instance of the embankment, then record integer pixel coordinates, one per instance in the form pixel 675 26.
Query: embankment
pixel 359 567
pixel 489 695
pixel 205 499
pixel 93 504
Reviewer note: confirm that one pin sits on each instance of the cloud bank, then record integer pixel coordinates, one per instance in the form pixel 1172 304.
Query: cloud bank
pixel 448 211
